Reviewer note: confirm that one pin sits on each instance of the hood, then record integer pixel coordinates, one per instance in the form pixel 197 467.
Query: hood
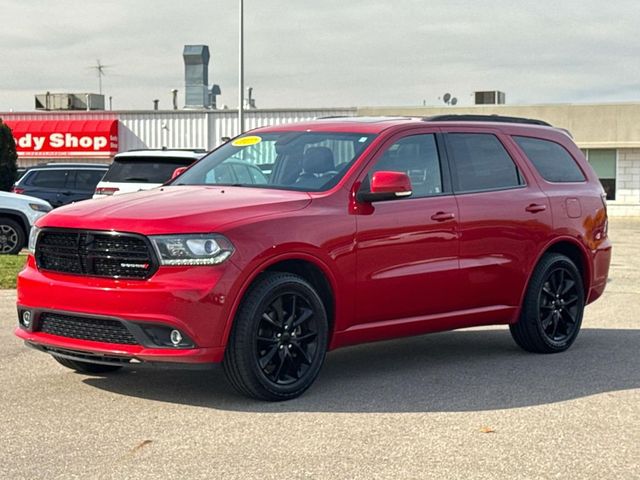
pixel 188 209
pixel 24 198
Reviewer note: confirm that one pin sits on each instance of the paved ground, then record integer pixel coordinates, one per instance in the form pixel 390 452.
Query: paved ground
pixel 454 405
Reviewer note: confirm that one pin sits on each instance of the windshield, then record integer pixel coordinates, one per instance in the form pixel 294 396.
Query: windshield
pixel 294 160
pixel 144 170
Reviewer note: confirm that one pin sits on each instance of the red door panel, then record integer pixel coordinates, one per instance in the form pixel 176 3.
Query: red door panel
pixel 407 262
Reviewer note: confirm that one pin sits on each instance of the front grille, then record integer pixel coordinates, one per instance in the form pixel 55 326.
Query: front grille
pixel 95 329
pixel 100 254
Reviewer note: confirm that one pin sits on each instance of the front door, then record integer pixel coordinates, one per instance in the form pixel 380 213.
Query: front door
pixel 407 248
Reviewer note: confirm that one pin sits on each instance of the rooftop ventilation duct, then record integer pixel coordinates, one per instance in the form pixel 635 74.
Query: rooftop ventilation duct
pixel 198 93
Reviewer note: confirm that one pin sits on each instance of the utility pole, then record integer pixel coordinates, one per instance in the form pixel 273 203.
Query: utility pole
pixel 241 72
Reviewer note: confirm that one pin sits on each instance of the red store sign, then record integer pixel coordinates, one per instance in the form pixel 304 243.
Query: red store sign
pixel 65 138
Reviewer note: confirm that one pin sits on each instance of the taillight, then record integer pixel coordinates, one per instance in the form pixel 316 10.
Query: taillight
pixel 15 189
pixel 106 190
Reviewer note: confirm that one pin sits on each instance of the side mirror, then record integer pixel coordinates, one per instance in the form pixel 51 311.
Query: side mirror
pixel 387 186
pixel 177 172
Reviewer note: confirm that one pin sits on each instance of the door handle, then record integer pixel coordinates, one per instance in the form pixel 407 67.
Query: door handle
pixel 442 216
pixel 535 208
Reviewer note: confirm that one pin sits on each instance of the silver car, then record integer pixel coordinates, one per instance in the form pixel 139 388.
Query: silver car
pixel 17 215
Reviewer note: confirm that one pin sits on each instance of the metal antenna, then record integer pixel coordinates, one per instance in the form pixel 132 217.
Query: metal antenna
pixel 99 68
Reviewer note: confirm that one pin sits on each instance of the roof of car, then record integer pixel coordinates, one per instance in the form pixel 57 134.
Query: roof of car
pixel 49 166
pixel 195 154
pixel 378 124
pixel 67 166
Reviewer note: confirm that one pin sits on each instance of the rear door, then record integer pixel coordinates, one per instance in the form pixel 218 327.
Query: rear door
pixel 407 248
pixel 80 185
pixel 504 219
pixel 46 184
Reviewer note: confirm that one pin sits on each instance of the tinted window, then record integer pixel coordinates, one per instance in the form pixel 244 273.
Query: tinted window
pixel 551 160
pixel 144 170
pixel 480 162
pixel 242 174
pixel 48 178
pixel 295 160
pixel 86 180
pixel 417 156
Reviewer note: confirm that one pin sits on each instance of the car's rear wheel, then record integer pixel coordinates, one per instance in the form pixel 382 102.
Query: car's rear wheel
pixel 279 339
pixel 553 307
pixel 86 367
pixel 12 237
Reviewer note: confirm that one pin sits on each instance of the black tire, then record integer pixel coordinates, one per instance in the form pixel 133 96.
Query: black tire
pixel 279 338
pixel 86 367
pixel 553 307
pixel 12 237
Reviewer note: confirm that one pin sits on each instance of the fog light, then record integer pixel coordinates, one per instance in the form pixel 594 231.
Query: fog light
pixel 26 319
pixel 176 337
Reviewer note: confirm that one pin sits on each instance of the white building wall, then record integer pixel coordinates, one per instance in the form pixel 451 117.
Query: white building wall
pixel 627 202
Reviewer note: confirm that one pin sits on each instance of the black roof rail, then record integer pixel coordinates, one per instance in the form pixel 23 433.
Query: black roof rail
pixel 485 118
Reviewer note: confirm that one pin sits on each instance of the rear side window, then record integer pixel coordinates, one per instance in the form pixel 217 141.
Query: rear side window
pixel 86 180
pixel 551 160
pixel 144 170
pixel 480 162
pixel 48 179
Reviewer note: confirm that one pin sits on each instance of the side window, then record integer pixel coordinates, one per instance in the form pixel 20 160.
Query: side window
pixel 86 180
pixel 551 160
pixel 480 162
pixel 417 156
pixel 49 179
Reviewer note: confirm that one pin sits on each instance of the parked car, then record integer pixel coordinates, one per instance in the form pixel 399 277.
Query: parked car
pixel 143 170
pixel 366 229
pixel 61 183
pixel 17 214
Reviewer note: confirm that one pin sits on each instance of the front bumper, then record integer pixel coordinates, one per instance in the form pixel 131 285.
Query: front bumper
pixel 194 300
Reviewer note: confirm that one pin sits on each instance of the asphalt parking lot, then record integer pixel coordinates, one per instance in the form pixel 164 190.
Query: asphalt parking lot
pixel 465 404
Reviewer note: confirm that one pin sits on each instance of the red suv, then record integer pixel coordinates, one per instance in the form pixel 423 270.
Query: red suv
pixel 355 230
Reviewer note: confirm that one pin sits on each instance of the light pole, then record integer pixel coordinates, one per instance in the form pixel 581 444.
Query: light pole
pixel 241 72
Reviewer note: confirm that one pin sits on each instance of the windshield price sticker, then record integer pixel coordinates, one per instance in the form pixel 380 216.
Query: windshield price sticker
pixel 246 141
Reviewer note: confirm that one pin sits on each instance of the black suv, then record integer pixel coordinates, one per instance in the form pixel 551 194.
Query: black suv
pixel 61 183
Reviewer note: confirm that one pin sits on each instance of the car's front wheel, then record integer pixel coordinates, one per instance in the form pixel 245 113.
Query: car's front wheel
pixel 86 367
pixel 279 339
pixel 553 306
pixel 12 237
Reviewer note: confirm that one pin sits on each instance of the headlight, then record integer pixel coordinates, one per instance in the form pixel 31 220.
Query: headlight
pixel 33 238
pixel 40 208
pixel 199 249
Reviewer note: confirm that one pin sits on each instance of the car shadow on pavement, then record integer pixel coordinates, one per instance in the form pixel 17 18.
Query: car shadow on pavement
pixel 447 372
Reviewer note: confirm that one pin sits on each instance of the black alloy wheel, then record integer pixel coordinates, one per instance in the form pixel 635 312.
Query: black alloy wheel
pixel 553 306
pixel 559 305
pixel 287 338
pixel 12 237
pixel 279 338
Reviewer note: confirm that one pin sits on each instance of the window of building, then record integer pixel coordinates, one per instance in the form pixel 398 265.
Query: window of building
pixel 480 162
pixel 604 162
pixel 551 160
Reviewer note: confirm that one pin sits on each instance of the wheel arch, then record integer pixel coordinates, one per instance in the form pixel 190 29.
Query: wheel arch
pixel 307 266
pixel 574 250
pixel 19 217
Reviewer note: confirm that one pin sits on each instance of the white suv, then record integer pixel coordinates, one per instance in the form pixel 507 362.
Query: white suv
pixel 143 170
pixel 17 214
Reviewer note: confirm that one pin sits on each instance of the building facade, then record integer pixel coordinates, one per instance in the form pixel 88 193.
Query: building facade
pixel 608 134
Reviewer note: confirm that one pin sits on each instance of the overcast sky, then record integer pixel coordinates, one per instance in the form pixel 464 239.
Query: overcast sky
pixel 310 53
